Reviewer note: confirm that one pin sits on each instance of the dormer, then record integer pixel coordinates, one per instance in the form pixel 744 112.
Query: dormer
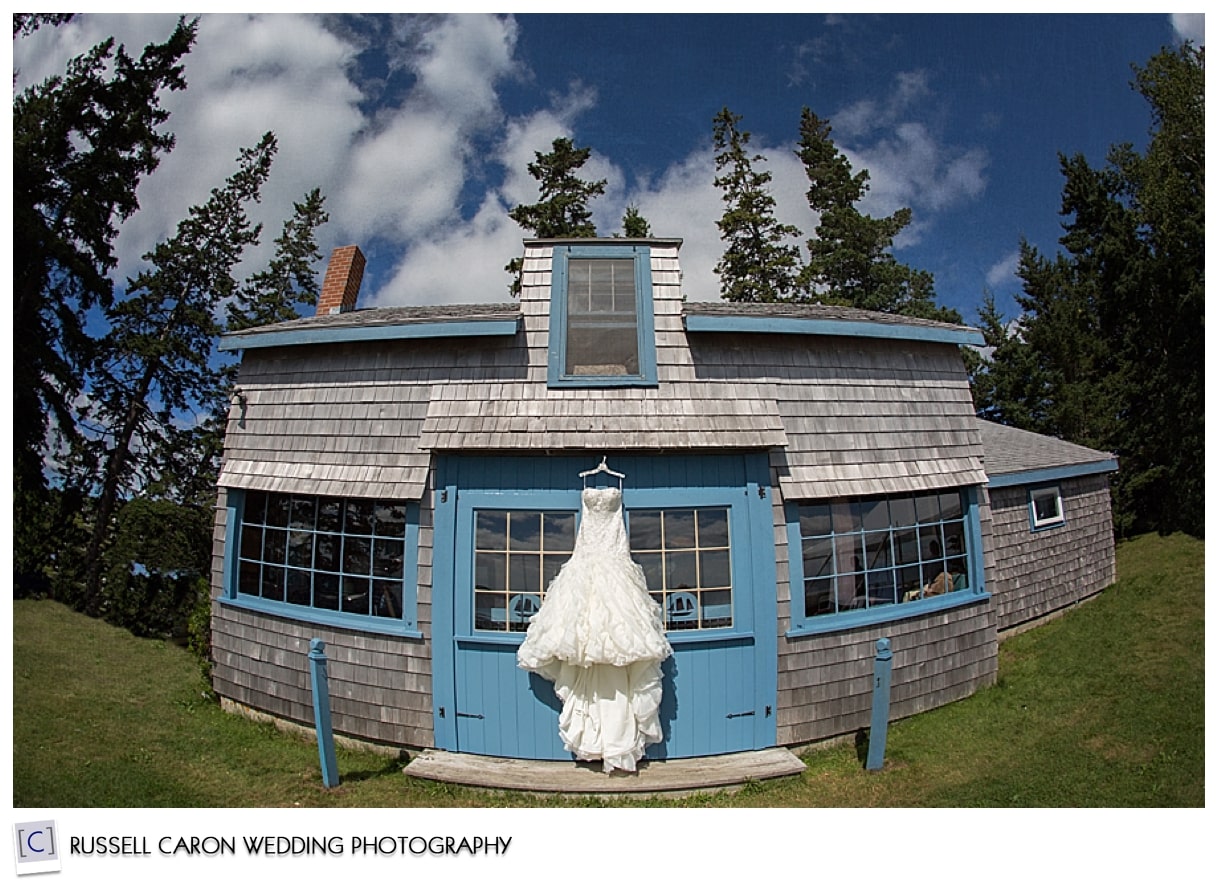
pixel 602 314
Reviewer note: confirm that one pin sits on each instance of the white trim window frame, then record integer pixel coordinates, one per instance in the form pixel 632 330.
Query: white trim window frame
pixel 1045 507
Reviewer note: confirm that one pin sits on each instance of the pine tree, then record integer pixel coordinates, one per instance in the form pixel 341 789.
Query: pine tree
pixel 161 341
pixel 758 265
pixel 562 210
pixel 850 260
pixel 634 225
pixel 82 142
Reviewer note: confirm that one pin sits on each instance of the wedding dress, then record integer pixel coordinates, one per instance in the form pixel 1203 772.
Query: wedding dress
pixel 599 637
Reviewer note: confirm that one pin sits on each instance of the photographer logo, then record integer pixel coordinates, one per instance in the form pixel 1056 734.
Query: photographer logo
pixel 36 847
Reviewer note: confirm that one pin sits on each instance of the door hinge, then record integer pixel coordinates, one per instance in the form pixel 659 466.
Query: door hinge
pixel 470 716
pixel 741 714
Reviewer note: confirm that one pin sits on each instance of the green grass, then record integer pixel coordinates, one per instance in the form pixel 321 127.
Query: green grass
pixel 1102 707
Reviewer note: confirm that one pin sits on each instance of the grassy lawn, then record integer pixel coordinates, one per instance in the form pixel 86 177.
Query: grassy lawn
pixel 1102 707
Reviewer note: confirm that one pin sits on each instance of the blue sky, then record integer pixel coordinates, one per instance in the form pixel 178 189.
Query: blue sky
pixel 419 129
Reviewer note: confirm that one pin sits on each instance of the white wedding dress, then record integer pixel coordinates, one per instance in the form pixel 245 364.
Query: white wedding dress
pixel 599 637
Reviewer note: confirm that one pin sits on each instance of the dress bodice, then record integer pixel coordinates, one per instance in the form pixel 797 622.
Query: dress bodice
pixel 602 529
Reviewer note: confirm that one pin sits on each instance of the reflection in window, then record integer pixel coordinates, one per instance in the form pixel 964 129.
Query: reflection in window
pixel 686 557
pixel 342 555
pixel 516 556
pixel 879 551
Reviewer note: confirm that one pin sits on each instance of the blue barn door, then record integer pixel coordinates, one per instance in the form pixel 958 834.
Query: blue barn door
pixel 701 528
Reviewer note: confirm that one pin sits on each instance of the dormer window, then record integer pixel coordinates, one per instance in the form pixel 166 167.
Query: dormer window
pixel 601 323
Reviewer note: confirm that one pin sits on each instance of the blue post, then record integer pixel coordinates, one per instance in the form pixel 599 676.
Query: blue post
pixel 321 712
pixel 879 705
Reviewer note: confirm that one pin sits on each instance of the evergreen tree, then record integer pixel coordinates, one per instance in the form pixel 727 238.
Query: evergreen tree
pixel 82 142
pixel 562 211
pixel 161 341
pixel 850 260
pixel 1008 382
pixel 634 225
pixel 758 265
pixel 1137 226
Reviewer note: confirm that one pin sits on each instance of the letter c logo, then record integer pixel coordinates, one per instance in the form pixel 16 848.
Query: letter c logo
pixel 29 841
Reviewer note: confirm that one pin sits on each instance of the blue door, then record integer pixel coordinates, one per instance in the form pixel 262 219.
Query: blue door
pixel 701 528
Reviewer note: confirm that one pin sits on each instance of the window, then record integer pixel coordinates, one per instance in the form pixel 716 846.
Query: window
pixel 343 561
pixel 876 557
pixel 685 555
pixel 516 555
pixel 1045 508
pixel 601 323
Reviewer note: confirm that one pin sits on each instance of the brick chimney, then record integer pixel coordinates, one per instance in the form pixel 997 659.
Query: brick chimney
pixel 343 276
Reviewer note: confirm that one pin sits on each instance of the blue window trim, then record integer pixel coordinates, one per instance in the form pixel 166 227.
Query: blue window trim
pixel 406 626
pixel 1059 521
pixel 644 310
pixel 803 625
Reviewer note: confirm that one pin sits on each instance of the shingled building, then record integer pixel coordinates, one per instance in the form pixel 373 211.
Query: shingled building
pixel 801 480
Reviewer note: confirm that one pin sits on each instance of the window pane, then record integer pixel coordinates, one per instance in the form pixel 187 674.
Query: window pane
pixel 275 546
pixel 818 557
pixel 559 531
pixel 300 549
pixel 716 569
pixel 249 578
pixel 254 509
pixel 681 567
pixel 679 529
pixel 716 609
pixel 387 558
pixel 387 599
pixel 653 569
pixel 360 514
pixel 524 534
pixel 712 528
pixel 602 325
pixel 818 597
pixel 950 506
pixel 931 542
pixel 330 515
pixel 905 544
pixel 902 512
pixel 325 591
pixel 927 508
pixel 356 595
pixel 490 571
pixel 326 552
pixel 881 587
pixel 490 611
pixel 300 587
pixel 875 514
pixel 644 530
pixel 953 537
pixel 304 513
pixel 490 530
pixel 277 508
pixel 391 519
pixel 272 582
pixel 357 556
pixel 879 550
pixel 524 574
pixel 815 520
pixel 251 542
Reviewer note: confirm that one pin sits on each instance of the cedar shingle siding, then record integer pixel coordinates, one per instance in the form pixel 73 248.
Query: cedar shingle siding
pixel 840 416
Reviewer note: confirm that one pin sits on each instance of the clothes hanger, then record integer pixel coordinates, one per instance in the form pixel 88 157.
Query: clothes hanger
pixel 603 467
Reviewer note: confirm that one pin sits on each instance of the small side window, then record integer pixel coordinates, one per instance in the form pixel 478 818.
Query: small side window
pixel 1045 508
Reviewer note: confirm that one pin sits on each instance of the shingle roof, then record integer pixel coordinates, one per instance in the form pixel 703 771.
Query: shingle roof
pixel 1009 451
pixel 390 315
pixel 809 311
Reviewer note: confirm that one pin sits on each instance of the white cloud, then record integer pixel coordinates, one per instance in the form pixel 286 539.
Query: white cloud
pixel 1189 26
pixel 1003 272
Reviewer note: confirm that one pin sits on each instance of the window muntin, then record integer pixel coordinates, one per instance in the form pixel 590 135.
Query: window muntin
pixel 873 552
pixel 1045 507
pixel 685 555
pixel 342 556
pixel 602 334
